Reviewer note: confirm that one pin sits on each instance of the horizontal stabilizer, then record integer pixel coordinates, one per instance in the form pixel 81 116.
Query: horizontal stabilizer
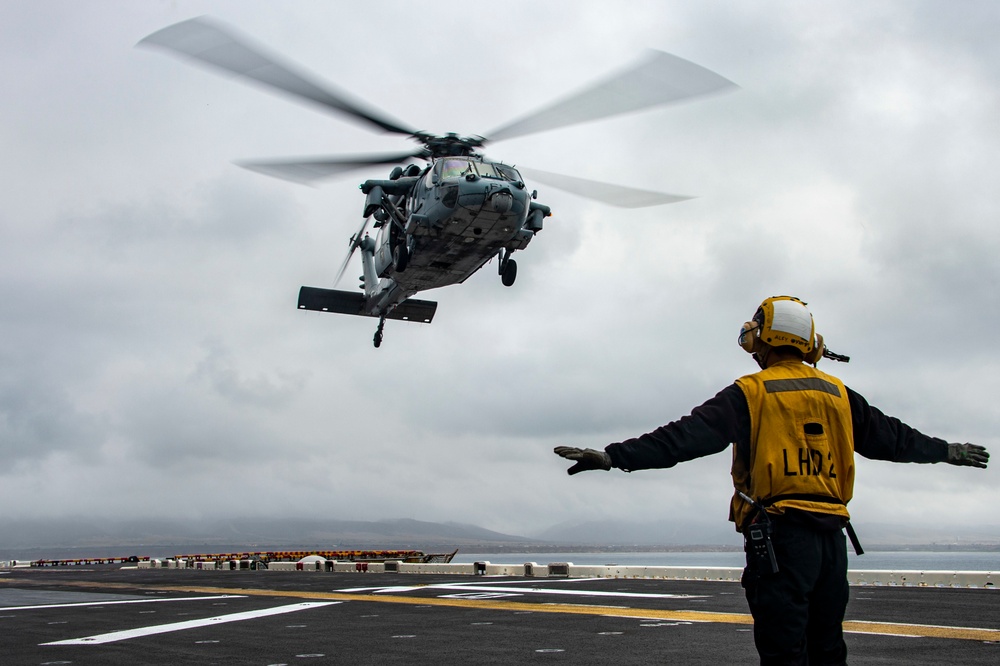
pixel 352 303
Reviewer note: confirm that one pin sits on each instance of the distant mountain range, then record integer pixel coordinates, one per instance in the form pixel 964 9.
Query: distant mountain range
pixel 244 533
pixel 100 537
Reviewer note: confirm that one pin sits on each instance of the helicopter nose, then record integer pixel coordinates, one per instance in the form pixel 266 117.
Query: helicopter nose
pixel 501 202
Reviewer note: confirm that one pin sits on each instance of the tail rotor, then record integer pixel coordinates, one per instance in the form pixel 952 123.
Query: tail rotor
pixel 356 240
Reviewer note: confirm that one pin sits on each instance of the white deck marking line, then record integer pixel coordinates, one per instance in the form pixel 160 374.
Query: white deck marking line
pixel 571 593
pixel 548 581
pixel 529 582
pixel 112 602
pixel 393 589
pixel 466 587
pixel 880 633
pixel 410 588
pixel 189 624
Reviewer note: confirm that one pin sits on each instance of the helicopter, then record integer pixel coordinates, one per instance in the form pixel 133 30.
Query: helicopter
pixel 439 222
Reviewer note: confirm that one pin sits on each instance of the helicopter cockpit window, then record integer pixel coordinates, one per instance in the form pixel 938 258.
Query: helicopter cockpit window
pixel 488 170
pixel 507 173
pixel 454 168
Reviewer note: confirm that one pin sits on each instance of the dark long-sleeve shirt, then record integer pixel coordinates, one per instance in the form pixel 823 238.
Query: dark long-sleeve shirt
pixel 725 419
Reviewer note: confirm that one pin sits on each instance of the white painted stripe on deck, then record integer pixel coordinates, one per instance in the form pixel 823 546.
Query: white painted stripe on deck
pixel 466 587
pixel 190 624
pixel 572 593
pixel 113 602
pixel 881 633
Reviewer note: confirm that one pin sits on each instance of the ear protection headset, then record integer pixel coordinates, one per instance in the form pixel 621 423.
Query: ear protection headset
pixel 818 351
pixel 749 338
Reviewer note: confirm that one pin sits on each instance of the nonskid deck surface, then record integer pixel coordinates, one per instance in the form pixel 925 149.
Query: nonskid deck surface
pixel 110 615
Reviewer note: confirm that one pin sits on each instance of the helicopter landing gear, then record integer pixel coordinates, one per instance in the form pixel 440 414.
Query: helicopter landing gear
pixel 378 332
pixel 400 257
pixel 508 268
pixel 509 273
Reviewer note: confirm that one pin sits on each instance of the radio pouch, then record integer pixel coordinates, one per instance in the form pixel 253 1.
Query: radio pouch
pixel 759 547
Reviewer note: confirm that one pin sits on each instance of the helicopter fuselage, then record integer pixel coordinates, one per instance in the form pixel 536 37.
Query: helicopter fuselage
pixel 442 224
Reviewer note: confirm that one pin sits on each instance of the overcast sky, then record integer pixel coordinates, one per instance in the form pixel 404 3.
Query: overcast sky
pixel 153 361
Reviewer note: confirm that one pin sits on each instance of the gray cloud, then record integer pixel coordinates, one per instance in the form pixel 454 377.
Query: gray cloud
pixel 153 359
pixel 38 419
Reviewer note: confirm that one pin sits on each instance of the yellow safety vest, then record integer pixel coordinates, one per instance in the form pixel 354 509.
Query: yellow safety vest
pixel 801 443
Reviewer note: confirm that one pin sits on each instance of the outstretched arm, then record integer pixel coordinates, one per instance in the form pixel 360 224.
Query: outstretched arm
pixel 883 437
pixel 710 428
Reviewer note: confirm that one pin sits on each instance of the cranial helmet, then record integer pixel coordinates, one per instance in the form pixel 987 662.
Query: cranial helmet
pixel 782 321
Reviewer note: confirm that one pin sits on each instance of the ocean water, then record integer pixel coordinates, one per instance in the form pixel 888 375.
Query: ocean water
pixel 870 561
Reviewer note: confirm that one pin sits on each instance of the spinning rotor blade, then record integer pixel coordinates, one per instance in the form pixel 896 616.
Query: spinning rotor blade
pixel 615 195
pixel 307 170
pixel 355 244
pixel 660 78
pixel 211 44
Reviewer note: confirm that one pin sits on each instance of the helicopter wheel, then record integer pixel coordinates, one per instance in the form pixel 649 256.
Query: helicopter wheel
pixel 509 273
pixel 378 333
pixel 400 258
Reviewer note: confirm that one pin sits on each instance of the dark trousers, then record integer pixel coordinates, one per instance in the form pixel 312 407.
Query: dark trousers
pixel 798 613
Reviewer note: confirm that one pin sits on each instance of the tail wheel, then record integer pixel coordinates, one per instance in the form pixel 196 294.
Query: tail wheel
pixel 509 273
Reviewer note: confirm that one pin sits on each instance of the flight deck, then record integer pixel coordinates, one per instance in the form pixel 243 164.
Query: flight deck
pixel 115 614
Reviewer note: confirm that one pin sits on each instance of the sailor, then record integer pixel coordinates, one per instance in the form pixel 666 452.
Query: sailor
pixel 794 431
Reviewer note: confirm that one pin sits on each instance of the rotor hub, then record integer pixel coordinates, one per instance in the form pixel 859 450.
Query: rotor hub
pixel 449 145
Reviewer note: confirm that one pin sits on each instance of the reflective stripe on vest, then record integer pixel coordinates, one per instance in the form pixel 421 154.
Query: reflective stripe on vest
pixel 801 384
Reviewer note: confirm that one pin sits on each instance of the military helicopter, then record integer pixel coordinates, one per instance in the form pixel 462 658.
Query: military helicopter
pixel 438 223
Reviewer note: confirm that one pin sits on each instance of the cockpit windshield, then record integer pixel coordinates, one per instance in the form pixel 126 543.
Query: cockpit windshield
pixel 486 170
pixel 457 167
pixel 507 173
pixel 496 171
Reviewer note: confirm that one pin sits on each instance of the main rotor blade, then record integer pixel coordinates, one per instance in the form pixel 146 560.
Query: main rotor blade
pixel 615 195
pixel 660 78
pixel 209 43
pixel 308 170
